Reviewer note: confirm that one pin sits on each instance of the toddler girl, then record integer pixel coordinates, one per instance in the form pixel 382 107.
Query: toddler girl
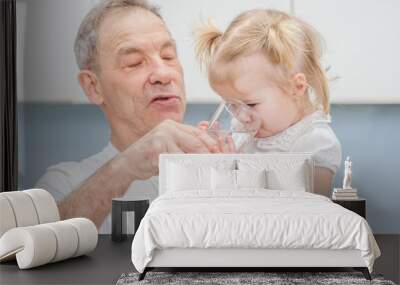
pixel 271 61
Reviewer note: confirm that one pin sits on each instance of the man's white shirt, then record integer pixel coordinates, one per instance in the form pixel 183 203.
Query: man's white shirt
pixel 63 178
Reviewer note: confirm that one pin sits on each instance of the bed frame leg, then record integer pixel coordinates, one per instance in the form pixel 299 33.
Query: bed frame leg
pixel 143 274
pixel 364 271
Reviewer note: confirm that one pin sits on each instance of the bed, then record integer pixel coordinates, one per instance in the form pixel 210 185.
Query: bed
pixel 247 211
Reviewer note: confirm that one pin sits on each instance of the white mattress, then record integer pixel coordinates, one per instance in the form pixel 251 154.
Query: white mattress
pixel 251 218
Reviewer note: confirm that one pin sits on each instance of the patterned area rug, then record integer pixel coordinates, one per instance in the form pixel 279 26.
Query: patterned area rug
pixel 230 278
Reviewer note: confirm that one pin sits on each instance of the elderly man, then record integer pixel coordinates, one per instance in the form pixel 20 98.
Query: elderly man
pixel 129 68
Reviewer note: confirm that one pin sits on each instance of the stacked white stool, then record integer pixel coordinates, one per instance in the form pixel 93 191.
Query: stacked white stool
pixel 31 230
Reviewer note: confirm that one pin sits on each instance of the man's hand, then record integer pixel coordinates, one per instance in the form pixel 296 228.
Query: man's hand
pixel 168 137
pixel 138 162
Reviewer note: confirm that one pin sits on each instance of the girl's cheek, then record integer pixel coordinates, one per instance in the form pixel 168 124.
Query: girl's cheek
pixel 268 112
pixel 267 123
pixel 273 120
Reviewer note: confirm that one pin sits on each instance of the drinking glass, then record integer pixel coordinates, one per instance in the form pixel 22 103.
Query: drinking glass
pixel 236 119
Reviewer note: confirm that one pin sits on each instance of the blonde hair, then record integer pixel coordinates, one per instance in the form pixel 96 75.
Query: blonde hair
pixel 290 44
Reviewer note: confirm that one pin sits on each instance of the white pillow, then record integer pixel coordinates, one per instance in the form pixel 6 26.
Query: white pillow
pixel 188 177
pixel 281 174
pixel 251 178
pixel 293 179
pixel 223 179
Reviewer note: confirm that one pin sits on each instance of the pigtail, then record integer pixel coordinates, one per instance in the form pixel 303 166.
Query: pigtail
pixel 206 41
pixel 279 44
pixel 311 65
pixel 294 45
pixel 320 86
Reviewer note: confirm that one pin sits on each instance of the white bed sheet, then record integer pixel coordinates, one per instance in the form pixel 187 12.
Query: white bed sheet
pixel 250 218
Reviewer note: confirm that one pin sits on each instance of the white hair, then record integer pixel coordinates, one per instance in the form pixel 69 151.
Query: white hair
pixel 85 46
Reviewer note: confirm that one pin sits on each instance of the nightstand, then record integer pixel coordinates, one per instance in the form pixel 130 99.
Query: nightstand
pixel 120 206
pixel 358 206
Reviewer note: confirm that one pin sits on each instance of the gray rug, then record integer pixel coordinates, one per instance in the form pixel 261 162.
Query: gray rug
pixel 230 278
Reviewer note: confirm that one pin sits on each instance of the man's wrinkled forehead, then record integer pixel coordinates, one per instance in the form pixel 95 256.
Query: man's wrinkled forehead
pixel 130 29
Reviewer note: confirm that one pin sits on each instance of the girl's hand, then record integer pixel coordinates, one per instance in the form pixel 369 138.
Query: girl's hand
pixel 224 146
pixel 203 125
pixel 228 147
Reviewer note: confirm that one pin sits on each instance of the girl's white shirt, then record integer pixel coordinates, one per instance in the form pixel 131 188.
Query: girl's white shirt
pixel 311 134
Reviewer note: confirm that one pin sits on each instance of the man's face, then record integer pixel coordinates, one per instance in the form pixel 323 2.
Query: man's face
pixel 141 79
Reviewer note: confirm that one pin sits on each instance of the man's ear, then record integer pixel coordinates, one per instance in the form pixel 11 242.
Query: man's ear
pixel 91 86
pixel 299 86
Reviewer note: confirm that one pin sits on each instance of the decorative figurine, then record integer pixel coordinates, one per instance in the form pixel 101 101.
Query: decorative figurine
pixel 347 174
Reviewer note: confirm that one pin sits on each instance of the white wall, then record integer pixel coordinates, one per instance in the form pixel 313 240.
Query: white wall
pixel 362 44
pixel 49 68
